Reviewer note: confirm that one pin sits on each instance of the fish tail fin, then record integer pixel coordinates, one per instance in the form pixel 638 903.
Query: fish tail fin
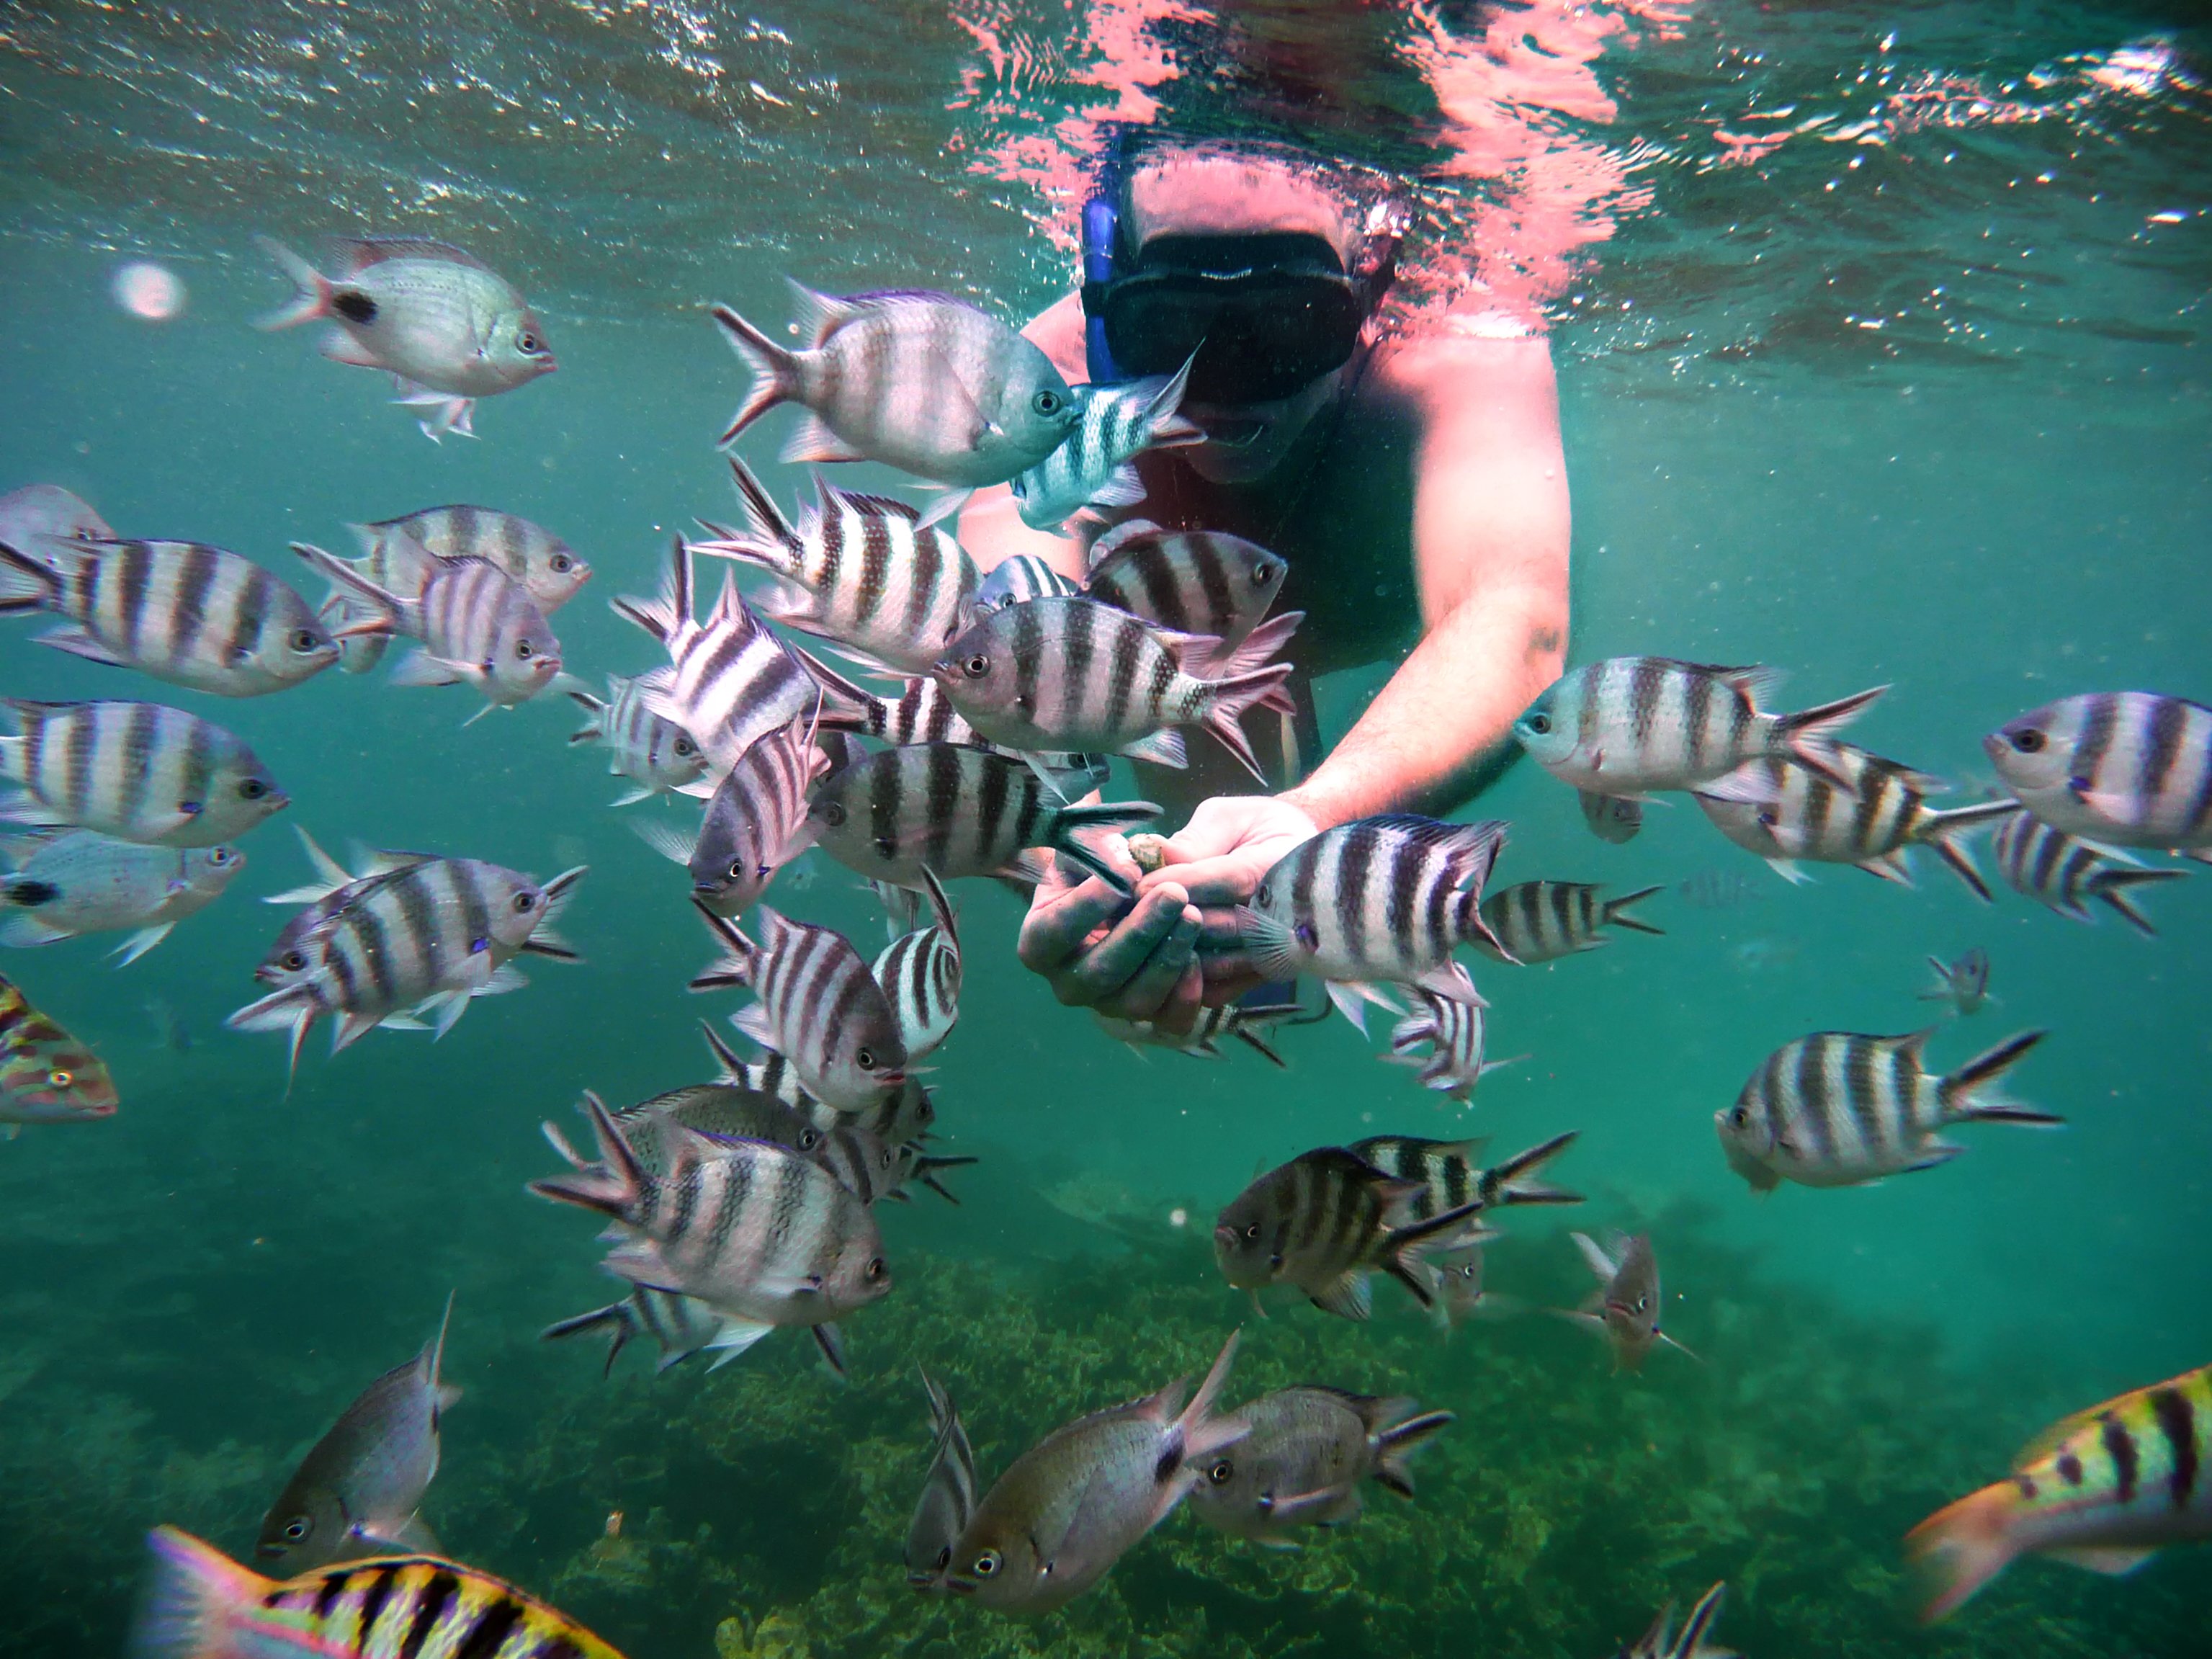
pixel 294 1008
pixel 1615 912
pixel 670 609
pixel 1810 735
pixel 733 968
pixel 1958 1088
pixel 1962 1547
pixel 1399 1442
pixel 1202 1433
pixel 1402 1260
pixel 732 1062
pixel 594 708
pixel 25 584
pixel 1112 816
pixel 1691 1643
pixel 616 1186
pixel 199 1604
pixel 390 610
pixel 1508 1182
pixel 312 298
pixel 1943 831
pixel 2111 886
pixel 619 1318
pixel 774 370
pixel 761 511
pixel 1255 650
pixel 1228 699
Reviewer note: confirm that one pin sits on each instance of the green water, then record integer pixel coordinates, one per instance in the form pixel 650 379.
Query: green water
pixel 1998 497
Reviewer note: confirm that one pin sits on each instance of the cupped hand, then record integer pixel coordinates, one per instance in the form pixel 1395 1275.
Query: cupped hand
pixel 1215 861
pixel 1097 949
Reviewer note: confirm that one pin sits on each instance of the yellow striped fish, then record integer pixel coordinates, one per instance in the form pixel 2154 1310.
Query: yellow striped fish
pixel 203 1605
pixel 2104 1489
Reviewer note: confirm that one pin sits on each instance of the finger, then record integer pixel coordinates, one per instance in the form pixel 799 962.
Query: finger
pixel 1228 878
pixel 1095 973
pixel 1179 1011
pixel 1172 960
pixel 1220 932
pixel 1058 923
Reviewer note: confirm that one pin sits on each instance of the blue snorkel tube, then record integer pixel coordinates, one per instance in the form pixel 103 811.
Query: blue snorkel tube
pixel 1101 223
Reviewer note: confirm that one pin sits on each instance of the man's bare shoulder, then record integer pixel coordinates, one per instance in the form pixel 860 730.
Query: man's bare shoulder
pixel 1452 364
pixel 1057 331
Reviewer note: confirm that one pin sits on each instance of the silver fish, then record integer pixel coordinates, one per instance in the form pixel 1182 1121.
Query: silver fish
pixel 1382 898
pixel 1453 1027
pixel 35 516
pixel 357 1493
pixel 1074 674
pixel 755 821
pixel 1839 1110
pixel 856 569
pixel 1194 581
pixel 1611 817
pixel 2053 868
pixel 1068 1508
pixel 681 1325
pixel 1538 922
pixel 1630 725
pixel 1450 1179
pixel 657 756
pixel 1304 1458
pixel 444 324
pixel 2132 768
pixel 181 612
pixel 1458 1273
pixel 137 771
pixel 920 974
pixel 948 1494
pixel 1323 1222
pixel 1663 1641
pixel 1965 984
pixel 1625 1308
pixel 1017 580
pixel 478 625
pixel 955 811
pixel 1246 1021
pixel 920 382
pixel 1093 466
pixel 1872 822
pixel 817 1006
pixel 533 555
pixel 62 883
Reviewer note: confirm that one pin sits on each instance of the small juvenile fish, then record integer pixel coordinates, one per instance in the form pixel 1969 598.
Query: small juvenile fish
pixel 1016 581
pixel 1839 1110
pixel 137 771
pixel 201 1604
pixel 46 1076
pixel 1094 464
pixel 1385 898
pixel 948 1495
pixel 1323 1221
pixel 2131 768
pixel 1068 1508
pixel 445 326
pixel 1718 889
pixel 1458 1270
pixel 181 612
pixel 755 822
pixel 37 515
pixel 920 974
pixel 1965 984
pixel 1193 581
pixel 2105 1489
pixel 1663 1641
pixel 2053 868
pixel 681 1325
pixel 1625 1307
pixel 357 1491
pixel 1449 1178
pixel 955 811
pixel 1801 813
pixel 1453 1027
pixel 657 756
pixel 478 625
pixel 532 555
pixel 1302 1463
pixel 1248 1022
pixel 1630 725
pixel 1612 818
pixel 920 382
pixel 856 569
pixel 1072 673
pixel 64 884
pixel 817 1006
pixel 1543 920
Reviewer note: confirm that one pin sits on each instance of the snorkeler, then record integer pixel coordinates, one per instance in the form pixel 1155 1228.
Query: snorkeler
pixel 1416 486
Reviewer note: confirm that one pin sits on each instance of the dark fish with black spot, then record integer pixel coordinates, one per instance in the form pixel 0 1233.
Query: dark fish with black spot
pixel 1307 1451
pixel 64 884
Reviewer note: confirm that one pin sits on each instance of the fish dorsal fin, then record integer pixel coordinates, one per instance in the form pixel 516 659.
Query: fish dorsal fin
pixel 432 1364
pixel 2057 1435
pixel 1757 681
pixel 941 908
pixel 1594 1255
pixel 358 253
pixel 1114 540
pixel 880 506
pixel 820 315
pixel 327 869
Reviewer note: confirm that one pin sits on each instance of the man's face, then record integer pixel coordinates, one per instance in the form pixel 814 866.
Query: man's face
pixel 1245 442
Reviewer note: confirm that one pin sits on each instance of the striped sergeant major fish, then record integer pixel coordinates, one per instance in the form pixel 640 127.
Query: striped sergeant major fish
pixel 1630 725
pixel 761 1234
pixel 902 1120
pixel 1193 581
pixel 1323 1222
pixel 181 612
pixel 856 569
pixel 1965 983
pixel 137 771
pixel 1448 1177
pixel 1625 1308
pixel 1543 920
pixel 1071 673
pixel 1839 1110
pixel 817 1006
pixel 755 821
pixel 2132 768
pixel 1663 1641
pixel 1872 819
pixel 1249 1022
pixel 920 974
pixel 1094 467
pixel 921 714
pixel 297 948
pixel 422 939
pixel 476 625
pixel 1385 898
pixel 1453 1027
pixel 46 1076
pixel 203 1605
pixel 2054 868
pixel 681 1325
pixel 657 756
pixel 948 1495
pixel 955 811
pixel 533 555
pixel 2105 1489
pixel 1017 580
pixel 729 681
pixel 1308 1453
pixel 64 884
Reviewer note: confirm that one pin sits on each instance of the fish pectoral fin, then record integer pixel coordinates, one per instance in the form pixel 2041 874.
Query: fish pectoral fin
pixel 753 1020
pixel 2113 1562
pixel 140 942
pixel 339 345
pixel 414 1535
pixel 1123 488
pixel 78 643
pixel 943 506
pixel 812 442
pixel 732 1338
pixel 1749 784
pixel 420 668
pixel 1351 1296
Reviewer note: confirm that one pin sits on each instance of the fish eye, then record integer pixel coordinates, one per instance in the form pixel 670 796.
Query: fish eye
pixel 685 748
pixel 306 639
pixel 1221 1472
pixel 252 789
pixel 1768 817
pixel 1048 402
pixel 1739 1117
pixel 2025 738
pixel 1252 1232
pixel 977 667
pixel 525 903
pixel 988 1562
pixel 522 648
pixel 865 1059
pixel 219 856
pixel 875 1271
pixel 737 870
pixel 832 814
pixel 293 961
pixel 560 562
pixel 59 1079
pixel 1539 723
pixel 809 1139
pixel 297 1528
pixel 528 343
